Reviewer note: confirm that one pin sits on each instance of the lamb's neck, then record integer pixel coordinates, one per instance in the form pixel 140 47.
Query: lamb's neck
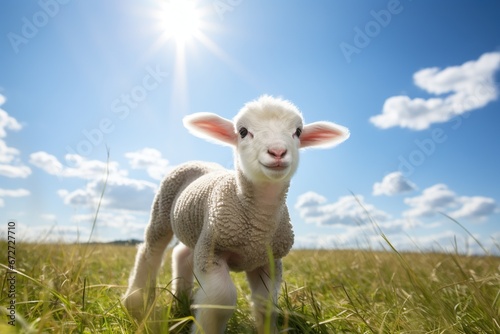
pixel 265 194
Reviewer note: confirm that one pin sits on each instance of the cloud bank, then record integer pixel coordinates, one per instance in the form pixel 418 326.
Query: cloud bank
pixel 125 202
pixel 440 199
pixel 462 88
pixel 347 210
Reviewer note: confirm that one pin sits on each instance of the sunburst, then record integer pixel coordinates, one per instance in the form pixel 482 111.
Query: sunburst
pixel 186 23
pixel 180 20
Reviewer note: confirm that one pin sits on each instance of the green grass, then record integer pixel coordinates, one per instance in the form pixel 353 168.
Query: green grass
pixel 76 289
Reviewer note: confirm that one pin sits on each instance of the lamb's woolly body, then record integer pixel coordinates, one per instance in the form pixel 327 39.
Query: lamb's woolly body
pixel 229 220
pixel 209 212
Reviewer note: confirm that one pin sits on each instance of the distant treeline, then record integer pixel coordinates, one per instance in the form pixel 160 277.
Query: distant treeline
pixel 119 242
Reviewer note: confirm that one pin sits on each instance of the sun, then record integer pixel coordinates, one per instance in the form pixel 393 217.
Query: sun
pixel 180 27
pixel 180 20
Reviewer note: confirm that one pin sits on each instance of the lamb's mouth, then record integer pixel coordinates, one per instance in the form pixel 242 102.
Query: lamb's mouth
pixel 278 167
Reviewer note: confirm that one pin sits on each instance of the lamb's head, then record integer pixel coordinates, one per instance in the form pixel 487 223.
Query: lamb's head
pixel 267 134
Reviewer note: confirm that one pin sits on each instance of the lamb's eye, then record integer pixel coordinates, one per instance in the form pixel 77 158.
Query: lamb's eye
pixel 243 132
pixel 298 132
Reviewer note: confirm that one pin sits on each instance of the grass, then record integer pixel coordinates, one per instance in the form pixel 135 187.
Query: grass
pixel 64 288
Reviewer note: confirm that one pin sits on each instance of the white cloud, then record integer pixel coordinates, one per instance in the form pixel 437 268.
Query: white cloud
pixel 149 159
pixel 80 167
pixel 15 171
pixel 125 222
pixel 10 165
pixel 476 207
pixel 50 217
pixel 439 198
pixel 356 237
pixel 7 122
pixel 121 192
pixel 110 225
pixel 393 184
pixel 12 193
pixel 91 169
pixel 321 241
pixel 353 223
pixel 129 194
pixel 47 162
pixel 348 210
pixel 53 233
pixel 469 86
pixel 432 241
pixel 83 197
pixel 367 236
pixel 7 154
pixel 135 195
pixel 309 199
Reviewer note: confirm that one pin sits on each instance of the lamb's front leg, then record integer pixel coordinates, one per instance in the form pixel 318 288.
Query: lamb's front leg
pixel 265 295
pixel 215 300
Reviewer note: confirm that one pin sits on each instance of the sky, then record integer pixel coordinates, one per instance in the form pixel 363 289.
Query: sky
pixel 92 96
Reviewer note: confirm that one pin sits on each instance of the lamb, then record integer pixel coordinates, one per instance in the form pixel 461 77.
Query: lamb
pixel 229 220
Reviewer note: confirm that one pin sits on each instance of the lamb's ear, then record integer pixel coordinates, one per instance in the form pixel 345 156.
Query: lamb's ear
pixel 323 135
pixel 211 127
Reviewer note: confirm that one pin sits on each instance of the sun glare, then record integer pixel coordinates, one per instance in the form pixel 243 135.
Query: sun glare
pixel 186 23
pixel 180 20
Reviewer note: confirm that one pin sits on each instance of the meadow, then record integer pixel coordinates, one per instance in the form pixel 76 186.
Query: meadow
pixel 75 288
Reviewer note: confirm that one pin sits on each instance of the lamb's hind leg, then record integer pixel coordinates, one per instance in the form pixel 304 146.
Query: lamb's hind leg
pixel 147 263
pixel 264 295
pixel 182 270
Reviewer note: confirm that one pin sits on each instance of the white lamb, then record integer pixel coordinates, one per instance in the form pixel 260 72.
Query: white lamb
pixel 229 220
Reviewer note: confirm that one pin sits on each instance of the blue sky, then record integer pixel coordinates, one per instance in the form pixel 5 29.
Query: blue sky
pixel 416 82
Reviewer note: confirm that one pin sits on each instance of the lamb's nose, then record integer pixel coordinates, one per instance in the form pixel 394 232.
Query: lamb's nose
pixel 277 153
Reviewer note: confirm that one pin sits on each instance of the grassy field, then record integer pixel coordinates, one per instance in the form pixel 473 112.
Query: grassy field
pixel 76 289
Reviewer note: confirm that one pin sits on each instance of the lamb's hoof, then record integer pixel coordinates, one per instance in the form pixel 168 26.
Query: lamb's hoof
pixel 134 303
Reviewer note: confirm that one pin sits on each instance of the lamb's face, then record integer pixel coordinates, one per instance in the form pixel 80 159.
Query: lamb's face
pixel 267 134
pixel 268 142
